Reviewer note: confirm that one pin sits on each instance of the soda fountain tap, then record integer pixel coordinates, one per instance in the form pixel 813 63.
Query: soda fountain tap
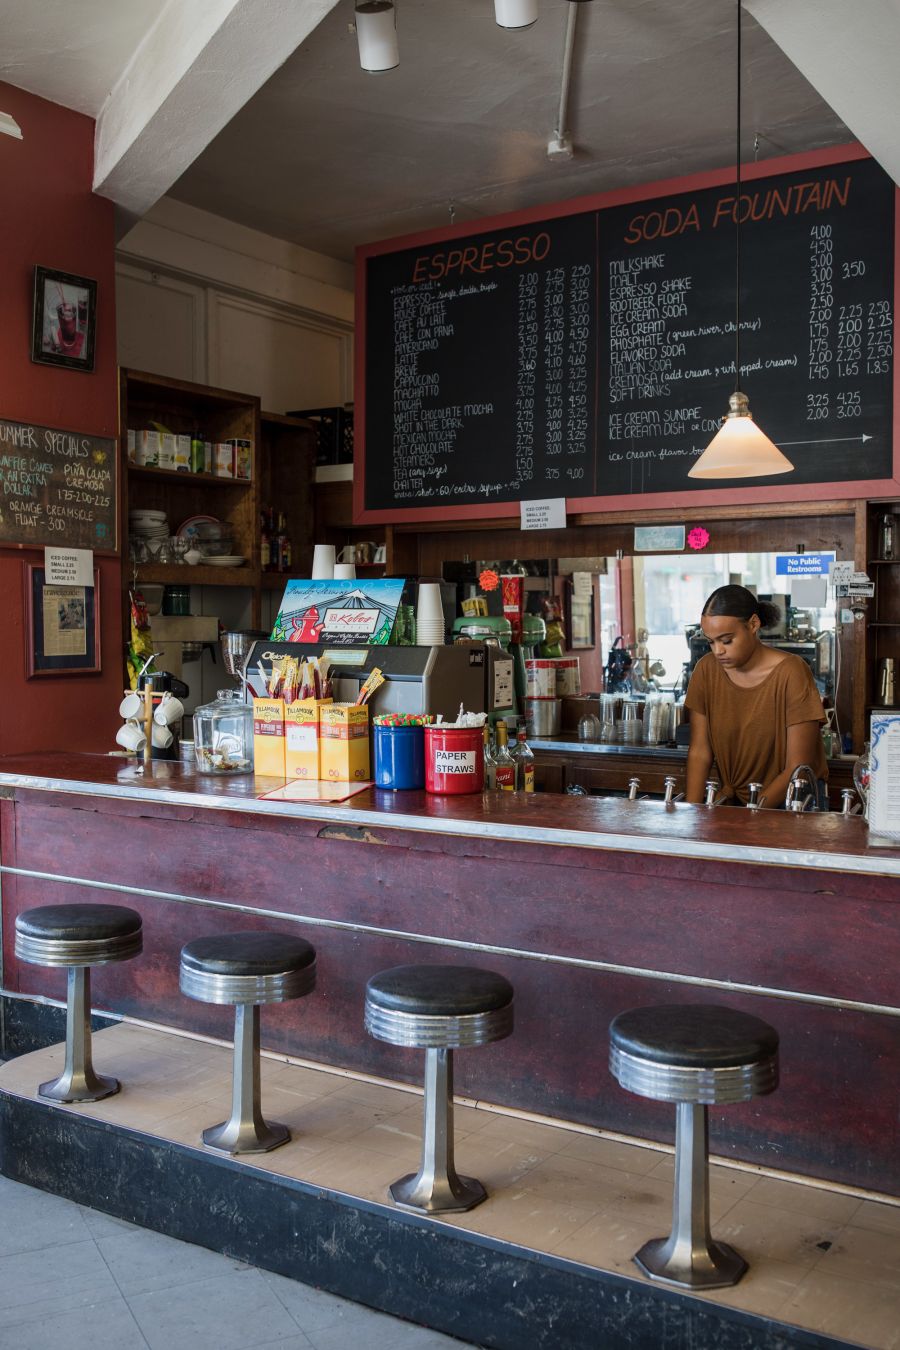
pixel 712 788
pixel 755 802
pixel 634 787
pixel 669 795
pixel 803 790
pixel 848 806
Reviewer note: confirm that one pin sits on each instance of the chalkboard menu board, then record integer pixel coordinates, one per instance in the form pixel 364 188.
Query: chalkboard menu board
pixel 591 355
pixel 57 487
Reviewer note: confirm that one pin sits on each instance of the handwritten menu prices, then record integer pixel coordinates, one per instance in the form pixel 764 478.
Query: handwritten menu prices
pixel 56 487
pixel 480 368
pixel 593 354
pixel 816 320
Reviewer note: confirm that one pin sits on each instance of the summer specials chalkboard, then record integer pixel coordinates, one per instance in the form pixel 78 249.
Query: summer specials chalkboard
pixel 591 355
pixel 56 487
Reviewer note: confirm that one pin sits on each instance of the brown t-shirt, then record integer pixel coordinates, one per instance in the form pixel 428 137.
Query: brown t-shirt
pixel 748 727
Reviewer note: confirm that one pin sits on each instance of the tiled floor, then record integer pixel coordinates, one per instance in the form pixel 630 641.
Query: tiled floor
pixel 70 1276
pixel 818 1258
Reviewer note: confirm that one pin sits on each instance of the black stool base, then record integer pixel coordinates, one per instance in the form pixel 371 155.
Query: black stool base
pixel 420 1194
pixel 717 1266
pixel 85 1086
pixel 238 1136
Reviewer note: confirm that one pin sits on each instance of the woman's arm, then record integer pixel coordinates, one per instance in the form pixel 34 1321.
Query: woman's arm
pixel 801 749
pixel 699 758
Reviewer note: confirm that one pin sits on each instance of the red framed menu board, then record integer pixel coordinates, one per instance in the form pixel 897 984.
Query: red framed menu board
pixel 586 350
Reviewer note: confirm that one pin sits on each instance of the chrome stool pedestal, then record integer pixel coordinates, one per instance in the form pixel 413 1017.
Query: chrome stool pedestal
pixel 438 1009
pixel 78 937
pixel 695 1056
pixel 247 969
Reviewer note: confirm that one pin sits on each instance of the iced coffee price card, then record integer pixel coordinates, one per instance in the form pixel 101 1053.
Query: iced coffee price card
pixel 884 779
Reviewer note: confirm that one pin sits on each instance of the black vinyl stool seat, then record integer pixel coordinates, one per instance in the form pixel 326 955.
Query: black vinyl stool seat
pixel 78 937
pixel 247 969
pixel 696 1056
pixel 439 1009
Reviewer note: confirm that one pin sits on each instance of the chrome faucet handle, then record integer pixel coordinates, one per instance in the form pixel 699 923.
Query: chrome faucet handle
pixel 634 785
pixel 803 777
pixel 849 805
pixel 669 786
pixel 756 801
pixel 712 789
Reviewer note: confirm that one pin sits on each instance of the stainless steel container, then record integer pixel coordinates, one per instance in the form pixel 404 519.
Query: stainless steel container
pixel 543 716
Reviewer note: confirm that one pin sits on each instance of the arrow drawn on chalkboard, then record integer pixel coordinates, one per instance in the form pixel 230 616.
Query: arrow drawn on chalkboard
pixel 829 440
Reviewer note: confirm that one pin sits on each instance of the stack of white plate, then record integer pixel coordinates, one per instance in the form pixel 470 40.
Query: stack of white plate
pixel 147 524
pixel 224 560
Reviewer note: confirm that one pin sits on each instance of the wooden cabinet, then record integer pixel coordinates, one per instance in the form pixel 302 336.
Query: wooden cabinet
pixel 282 463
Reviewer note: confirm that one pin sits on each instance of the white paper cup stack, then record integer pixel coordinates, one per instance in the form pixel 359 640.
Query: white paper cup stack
pixel 323 562
pixel 429 616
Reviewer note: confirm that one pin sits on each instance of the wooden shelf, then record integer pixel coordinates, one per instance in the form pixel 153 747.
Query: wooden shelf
pixel 879 623
pixel 185 478
pixel 274 581
pixel 180 574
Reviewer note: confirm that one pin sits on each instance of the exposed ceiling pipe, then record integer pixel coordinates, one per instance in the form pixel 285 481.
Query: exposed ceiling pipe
pixel 560 144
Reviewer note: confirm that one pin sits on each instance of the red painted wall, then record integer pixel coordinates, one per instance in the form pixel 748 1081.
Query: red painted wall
pixel 50 216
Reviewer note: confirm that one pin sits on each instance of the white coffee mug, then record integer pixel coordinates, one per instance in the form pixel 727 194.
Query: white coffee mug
pixel 347 554
pixel 131 705
pixel 162 737
pixel 168 711
pixel 380 554
pixel 131 737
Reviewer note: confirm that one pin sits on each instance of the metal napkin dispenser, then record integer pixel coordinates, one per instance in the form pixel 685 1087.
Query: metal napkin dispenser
pixel 417 679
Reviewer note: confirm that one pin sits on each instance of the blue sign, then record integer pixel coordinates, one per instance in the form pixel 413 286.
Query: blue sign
pixel 803 564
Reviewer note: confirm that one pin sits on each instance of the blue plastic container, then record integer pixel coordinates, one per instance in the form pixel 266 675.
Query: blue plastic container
pixel 399 757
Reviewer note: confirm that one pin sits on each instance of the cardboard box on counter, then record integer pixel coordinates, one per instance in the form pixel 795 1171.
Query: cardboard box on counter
pixel 344 743
pixel 302 749
pixel 268 737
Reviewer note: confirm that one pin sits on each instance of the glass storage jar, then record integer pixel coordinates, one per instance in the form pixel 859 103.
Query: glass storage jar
pixel 223 735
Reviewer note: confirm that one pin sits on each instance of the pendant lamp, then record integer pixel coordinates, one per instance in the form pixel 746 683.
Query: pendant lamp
pixel 376 35
pixel 739 449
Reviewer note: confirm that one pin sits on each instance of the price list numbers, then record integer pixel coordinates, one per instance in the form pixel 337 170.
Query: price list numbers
pixel 577 438
pixel 526 374
pixel 821 301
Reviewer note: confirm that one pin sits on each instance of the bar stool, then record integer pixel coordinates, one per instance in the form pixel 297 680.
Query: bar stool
pixel 247 969
pixel 78 936
pixel 695 1056
pixel 440 1009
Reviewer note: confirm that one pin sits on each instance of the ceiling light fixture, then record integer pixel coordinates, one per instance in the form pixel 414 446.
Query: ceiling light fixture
pixel 376 35
pixel 515 13
pixel 739 449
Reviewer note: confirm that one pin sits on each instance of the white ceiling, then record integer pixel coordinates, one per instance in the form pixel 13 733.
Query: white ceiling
pixel 327 156
pixel 72 51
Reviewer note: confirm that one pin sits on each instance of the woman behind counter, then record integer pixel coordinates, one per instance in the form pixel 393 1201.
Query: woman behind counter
pixel 754 710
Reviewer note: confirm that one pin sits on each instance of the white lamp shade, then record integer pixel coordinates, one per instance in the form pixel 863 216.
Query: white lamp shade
pixel 376 35
pixel 740 449
pixel 515 13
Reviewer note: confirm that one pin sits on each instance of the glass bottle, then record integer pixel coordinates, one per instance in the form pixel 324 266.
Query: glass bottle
pixel 861 778
pixel 223 735
pixel 887 546
pixel 523 756
pixel 265 543
pixel 505 771
pixel 490 766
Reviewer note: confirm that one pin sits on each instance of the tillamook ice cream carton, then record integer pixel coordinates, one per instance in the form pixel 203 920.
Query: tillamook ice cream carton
pixel 268 737
pixel 344 745
pixel 302 752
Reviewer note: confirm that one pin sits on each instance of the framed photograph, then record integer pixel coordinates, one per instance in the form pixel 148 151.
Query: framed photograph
pixel 65 319
pixel 62 626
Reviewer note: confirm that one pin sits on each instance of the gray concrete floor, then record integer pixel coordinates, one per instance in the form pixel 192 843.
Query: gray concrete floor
pixel 71 1276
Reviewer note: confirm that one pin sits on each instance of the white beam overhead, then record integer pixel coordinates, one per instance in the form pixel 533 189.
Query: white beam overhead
pixel 849 55
pixel 198 65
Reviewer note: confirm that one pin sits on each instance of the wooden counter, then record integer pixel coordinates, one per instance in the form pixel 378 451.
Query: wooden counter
pixel 589 906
